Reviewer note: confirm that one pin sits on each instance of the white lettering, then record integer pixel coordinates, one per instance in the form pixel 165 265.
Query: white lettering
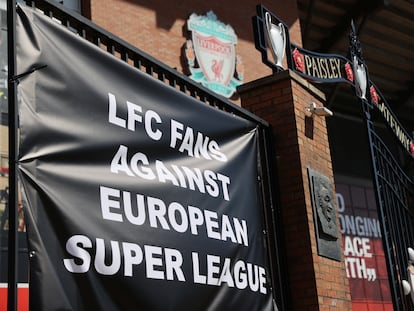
pixel 199 145
pixel 160 263
pixel 75 246
pixel 132 256
pixel 218 272
pixel 137 209
pixel 194 179
pixel 107 203
pixel 112 117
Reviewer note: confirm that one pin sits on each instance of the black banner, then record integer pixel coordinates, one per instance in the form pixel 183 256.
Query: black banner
pixel 137 196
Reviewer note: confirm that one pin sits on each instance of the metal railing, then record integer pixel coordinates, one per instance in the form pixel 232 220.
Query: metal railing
pixel 137 58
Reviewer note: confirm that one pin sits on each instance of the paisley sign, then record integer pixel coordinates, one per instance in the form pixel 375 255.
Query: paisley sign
pixel 211 54
pixel 271 33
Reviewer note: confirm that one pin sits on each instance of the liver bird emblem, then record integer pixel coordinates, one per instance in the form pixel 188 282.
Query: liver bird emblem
pixel 217 67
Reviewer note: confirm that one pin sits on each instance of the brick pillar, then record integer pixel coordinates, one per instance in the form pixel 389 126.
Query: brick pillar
pixel 300 142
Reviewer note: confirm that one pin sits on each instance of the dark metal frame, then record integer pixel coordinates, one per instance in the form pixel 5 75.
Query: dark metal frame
pixel 394 191
pixel 145 63
pixel 13 124
pixel 395 203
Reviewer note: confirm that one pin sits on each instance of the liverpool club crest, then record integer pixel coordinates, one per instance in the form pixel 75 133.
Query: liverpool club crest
pixel 211 54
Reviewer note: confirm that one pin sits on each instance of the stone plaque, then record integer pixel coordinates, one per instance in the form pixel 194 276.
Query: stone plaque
pixel 324 215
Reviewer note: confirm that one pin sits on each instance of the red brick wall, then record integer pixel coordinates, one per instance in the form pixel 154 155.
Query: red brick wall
pixel 315 282
pixel 158 27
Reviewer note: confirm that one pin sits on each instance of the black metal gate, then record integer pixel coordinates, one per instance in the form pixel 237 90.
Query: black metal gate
pixel 395 201
pixel 393 186
pixel 144 62
pixel 393 178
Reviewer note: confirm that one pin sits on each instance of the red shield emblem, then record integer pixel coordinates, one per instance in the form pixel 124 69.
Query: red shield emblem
pixel 215 57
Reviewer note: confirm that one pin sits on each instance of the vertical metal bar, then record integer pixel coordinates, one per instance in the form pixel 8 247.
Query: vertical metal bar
pixel 269 208
pixel 12 118
pixel 275 237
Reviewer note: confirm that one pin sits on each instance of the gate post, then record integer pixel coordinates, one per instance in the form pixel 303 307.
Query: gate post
pixel 300 141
